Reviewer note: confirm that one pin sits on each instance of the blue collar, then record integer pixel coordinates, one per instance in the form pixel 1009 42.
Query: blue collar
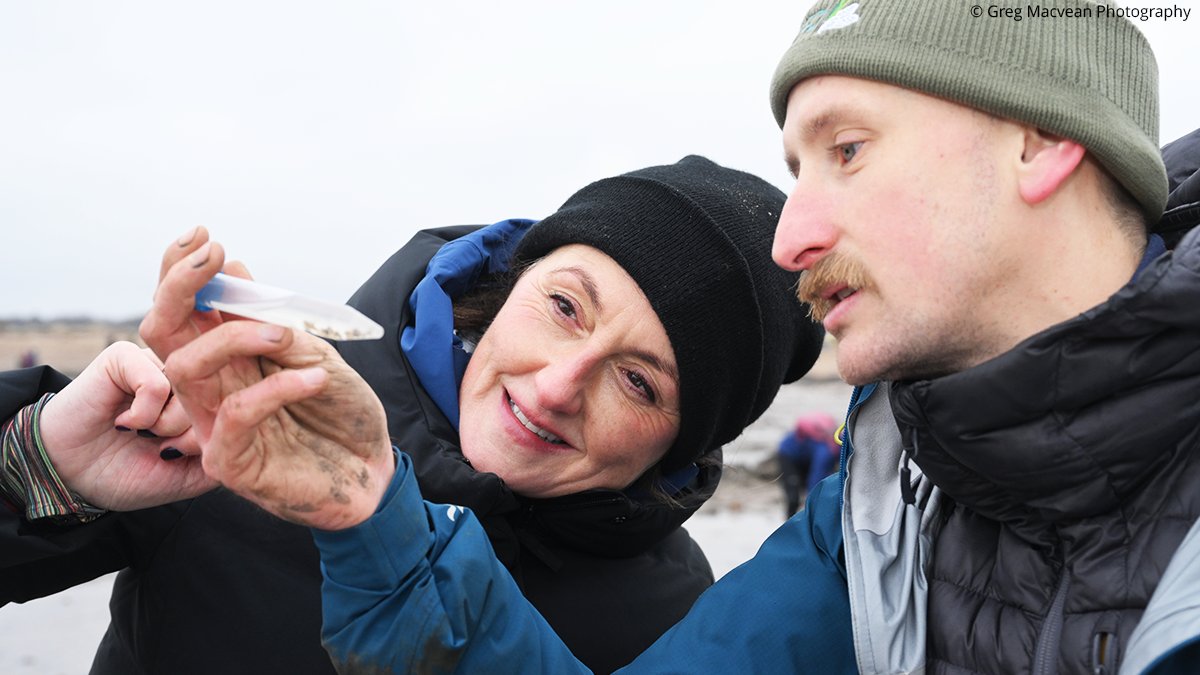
pixel 429 342
pixel 1155 246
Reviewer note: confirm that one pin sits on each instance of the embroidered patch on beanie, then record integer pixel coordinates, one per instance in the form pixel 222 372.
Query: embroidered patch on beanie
pixel 843 14
pixel 1093 81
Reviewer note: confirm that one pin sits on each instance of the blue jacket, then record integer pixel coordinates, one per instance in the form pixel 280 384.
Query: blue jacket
pixel 609 571
pixel 415 589
pixel 409 588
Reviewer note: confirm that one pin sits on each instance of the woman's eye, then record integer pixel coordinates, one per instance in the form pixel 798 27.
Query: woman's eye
pixel 847 151
pixel 564 306
pixel 641 384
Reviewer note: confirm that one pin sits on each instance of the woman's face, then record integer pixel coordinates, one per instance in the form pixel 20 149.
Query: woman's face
pixel 574 385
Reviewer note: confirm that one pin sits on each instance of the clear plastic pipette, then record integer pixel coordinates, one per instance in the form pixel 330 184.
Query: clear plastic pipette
pixel 285 308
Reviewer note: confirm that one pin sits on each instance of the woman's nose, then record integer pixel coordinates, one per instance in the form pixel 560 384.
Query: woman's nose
pixel 560 383
pixel 806 232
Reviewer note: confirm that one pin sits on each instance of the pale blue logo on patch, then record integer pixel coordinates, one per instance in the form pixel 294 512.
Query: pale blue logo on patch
pixel 841 15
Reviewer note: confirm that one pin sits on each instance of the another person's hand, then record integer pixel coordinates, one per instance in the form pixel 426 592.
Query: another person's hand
pixel 280 418
pixel 117 438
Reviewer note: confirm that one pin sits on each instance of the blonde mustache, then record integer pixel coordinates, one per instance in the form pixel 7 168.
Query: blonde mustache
pixel 833 269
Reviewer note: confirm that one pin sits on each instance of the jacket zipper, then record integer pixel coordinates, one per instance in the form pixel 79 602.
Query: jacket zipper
pixel 1104 650
pixel 846 449
pixel 907 492
pixel 861 653
pixel 1045 661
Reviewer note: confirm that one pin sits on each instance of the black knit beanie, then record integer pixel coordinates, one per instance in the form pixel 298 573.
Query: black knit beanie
pixel 696 237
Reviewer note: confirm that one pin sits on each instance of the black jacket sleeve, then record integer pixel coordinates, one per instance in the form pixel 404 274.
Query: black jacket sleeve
pixel 41 558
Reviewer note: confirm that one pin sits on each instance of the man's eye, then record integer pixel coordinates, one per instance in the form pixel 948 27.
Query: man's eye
pixel 847 151
pixel 564 305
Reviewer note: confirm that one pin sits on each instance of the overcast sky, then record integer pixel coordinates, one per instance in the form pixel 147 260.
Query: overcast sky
pixel 313 138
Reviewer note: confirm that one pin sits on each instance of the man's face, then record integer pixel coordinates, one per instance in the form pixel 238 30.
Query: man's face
pixel 900 216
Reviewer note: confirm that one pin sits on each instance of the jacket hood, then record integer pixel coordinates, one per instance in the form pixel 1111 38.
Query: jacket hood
pixel 1042 433
pixel 428 340
pixel 1182 157
pixel 411 296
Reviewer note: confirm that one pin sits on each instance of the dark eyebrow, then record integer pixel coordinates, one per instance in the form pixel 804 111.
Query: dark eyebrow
pixel 588 282
pixel 589 286
pixel 659 365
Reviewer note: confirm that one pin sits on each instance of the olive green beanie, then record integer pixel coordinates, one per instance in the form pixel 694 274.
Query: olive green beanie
pixel 1076 70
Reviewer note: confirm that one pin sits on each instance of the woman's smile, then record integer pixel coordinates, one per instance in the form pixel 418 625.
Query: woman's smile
pixel 541 433
pixel 574 385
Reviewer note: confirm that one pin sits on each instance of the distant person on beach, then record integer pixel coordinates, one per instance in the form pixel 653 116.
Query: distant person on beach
pixel 976 210
pixel 28 359
pixel 560 379
pixel 807 453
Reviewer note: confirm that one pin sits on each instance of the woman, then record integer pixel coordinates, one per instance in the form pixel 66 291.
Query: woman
pixel 585 427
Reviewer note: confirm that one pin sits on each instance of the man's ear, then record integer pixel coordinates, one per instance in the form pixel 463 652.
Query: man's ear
pixel 1046 163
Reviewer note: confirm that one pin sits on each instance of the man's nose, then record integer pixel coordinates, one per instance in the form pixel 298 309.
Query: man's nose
pixel 806 232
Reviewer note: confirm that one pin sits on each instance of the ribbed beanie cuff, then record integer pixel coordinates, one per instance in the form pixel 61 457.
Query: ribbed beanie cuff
pixel 1085 73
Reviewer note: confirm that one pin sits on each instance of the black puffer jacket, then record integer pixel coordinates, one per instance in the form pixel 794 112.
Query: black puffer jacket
pixel 215 585
pixel 1182 157
pixel 1071 462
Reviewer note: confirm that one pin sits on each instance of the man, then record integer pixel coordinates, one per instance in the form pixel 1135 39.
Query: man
pixel 971 207
pixel 971 202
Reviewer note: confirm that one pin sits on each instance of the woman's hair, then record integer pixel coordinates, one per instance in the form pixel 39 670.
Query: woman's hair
pixel 475 310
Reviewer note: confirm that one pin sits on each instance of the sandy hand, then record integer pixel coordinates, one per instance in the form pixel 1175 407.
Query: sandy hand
pixel 280 418
pixel 283 421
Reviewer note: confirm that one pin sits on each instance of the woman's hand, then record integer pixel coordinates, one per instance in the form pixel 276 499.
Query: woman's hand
pixel 117 438
pixel 285 422
pixel 280 418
